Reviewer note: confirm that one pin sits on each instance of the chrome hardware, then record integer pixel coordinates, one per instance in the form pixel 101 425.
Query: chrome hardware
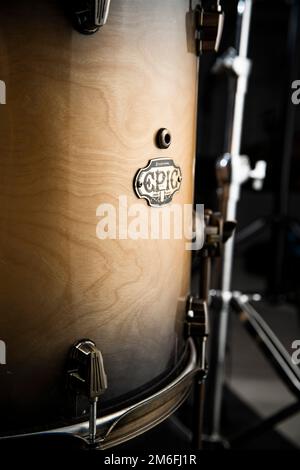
pixel 90 15
pixel 87 377
pixel 197 319
pixel 209 27
pixel 107 424
pixel 240 172
pixel 232 62
pixel 163 139
pixel 196 327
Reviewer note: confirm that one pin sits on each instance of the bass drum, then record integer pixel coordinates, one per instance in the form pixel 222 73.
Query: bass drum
pixel 81 118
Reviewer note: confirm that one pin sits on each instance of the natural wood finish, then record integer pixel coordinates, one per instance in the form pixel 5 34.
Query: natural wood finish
pixel 80 120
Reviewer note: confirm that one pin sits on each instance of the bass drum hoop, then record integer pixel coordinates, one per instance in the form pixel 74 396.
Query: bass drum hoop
pixel 129 422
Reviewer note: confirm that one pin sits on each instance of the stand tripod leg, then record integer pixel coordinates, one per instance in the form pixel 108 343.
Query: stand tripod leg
pixel 256 227
pixel 264 426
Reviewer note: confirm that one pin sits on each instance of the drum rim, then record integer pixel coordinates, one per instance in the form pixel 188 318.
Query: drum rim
pixel 107 424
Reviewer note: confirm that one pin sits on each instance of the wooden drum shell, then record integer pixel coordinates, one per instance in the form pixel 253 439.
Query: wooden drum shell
pixel 80 120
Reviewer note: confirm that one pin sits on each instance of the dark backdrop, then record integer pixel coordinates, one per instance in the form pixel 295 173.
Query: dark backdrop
pixel 263 133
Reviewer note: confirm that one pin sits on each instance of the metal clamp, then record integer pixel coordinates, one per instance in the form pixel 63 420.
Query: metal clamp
pixel 232 62
pixel 197 327
pixel 240 172
pixel 209 27
pixel 197 318
pixel 217 232
pixel 87 377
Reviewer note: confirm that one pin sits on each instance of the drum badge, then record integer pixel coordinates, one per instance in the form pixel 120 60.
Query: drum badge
pixel 158 181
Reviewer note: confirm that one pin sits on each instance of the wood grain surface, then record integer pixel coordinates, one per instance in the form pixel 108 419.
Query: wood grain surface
pixel 81 117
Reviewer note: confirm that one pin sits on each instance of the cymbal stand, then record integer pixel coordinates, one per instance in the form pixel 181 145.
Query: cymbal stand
pixel 232 170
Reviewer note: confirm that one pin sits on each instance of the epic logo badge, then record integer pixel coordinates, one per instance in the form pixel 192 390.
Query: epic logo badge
pixel 158 182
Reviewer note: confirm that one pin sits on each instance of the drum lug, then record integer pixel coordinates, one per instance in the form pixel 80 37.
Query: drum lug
pixel 209 27
pixel 90 15
pixel 87 377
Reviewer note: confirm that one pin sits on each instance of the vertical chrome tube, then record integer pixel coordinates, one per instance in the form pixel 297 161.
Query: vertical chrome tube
pixel 217 368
